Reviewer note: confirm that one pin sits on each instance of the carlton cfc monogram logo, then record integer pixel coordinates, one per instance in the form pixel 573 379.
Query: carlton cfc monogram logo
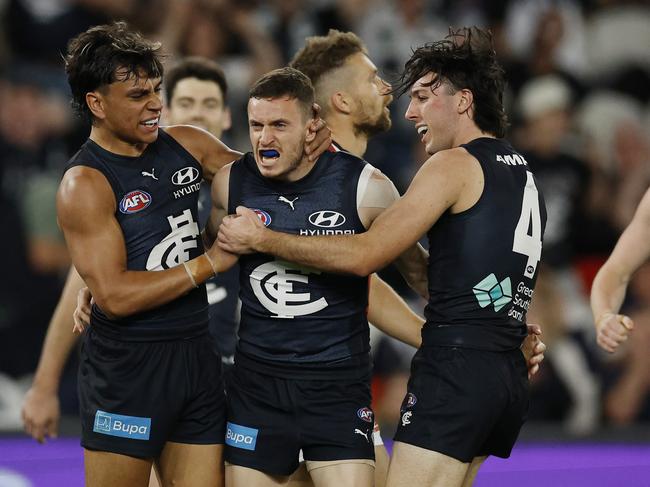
pixel 272 283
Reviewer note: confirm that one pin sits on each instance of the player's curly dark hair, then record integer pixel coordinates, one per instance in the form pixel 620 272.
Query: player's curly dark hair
pixel 107 53
pixel 465 59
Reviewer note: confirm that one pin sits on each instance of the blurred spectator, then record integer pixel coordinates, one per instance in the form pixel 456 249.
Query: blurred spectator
pixel 618 37
pixel 560 303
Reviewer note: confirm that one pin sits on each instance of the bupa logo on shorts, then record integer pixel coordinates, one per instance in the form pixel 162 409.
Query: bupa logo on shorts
pixel 242 437
pixel 135 201
pixel 132 427
pixel 365 414
pixel 185 176
pixel 263 216
pixel 326 219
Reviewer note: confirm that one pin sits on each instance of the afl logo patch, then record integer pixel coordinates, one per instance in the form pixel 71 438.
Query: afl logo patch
pixel 365 414
pixel 326 219
pixel 135 201
pixel 185 176
pixel 263 216
pixel 411 400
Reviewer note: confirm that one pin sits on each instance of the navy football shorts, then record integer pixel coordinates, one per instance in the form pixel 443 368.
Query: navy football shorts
pixel 136 396
pixel 271 419
pixel 465 403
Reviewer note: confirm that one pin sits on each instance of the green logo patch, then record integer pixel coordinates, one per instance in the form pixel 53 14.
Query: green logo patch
pixel 491 291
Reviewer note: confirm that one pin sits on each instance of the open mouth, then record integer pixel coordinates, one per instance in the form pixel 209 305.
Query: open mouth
pixel 269 155
pixel 151 122
pixel 422 130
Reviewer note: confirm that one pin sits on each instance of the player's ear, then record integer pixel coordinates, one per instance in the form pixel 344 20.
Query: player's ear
pixel 465 100
pixel 95 103
pixel 342 102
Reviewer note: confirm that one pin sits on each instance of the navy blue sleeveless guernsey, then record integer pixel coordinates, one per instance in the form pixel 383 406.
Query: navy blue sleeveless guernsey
pixel 296 321
pixel 483 262
pixel 156 195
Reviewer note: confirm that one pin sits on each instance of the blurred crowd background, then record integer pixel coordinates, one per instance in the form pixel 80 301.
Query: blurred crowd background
pixel 579 104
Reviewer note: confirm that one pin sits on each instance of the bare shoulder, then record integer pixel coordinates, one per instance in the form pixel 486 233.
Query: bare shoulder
pixel 194 139
pixel 84 190
pixel 457 160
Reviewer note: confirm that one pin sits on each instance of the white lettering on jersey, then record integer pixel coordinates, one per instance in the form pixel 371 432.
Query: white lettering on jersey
pixel 175 248
pixel 272 283
pixel 512 159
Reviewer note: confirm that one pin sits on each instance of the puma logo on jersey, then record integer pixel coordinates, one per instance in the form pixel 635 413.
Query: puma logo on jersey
pixel 287 201
pixel 512 160
pixel 150 174
pixel 359 432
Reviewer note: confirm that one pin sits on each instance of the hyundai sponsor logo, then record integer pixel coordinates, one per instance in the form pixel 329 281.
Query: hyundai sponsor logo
pixel 365 414
pixel 242 437
pixel 185 176
pixel 135 201
pixel 132 427
pixel 326 219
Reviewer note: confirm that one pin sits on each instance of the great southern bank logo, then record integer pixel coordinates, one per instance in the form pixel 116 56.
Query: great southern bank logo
pixel 132 427
pixel 239 436
pixel 491 291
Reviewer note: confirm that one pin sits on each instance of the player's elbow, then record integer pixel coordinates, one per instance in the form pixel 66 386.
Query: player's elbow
pixel 361 267
pixel 113 305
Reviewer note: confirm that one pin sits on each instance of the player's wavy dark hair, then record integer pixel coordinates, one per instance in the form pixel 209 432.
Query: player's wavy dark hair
pixel 195 67
pixel 285 82
pixel 466 60
pixel 107 53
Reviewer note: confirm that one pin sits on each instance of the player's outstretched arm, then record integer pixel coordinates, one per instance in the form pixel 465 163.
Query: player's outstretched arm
pixel 436 187
pixel 40 411
pixel 86 213
pixel 609 286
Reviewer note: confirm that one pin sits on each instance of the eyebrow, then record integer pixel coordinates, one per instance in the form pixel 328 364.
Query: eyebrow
pixel 271 122
pixel 139 89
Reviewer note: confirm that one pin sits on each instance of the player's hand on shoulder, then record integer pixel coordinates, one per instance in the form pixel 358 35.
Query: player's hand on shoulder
pixel 240 233
pixel 612 330
pixel 81 314
pixel 40 413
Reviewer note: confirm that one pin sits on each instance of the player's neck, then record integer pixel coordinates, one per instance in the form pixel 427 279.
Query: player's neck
pixel 344 135
pixel 108 141
pixel 467 132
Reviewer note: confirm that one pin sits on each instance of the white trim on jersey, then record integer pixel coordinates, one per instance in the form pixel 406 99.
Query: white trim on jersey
pixel 362 185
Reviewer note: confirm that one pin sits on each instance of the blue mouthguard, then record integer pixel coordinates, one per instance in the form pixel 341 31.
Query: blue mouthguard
pixel 270 153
